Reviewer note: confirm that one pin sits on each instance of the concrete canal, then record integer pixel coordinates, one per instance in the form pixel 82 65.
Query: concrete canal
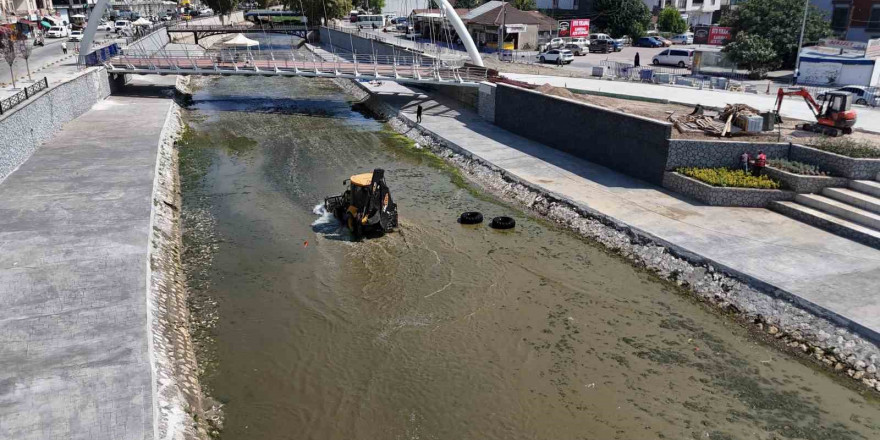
pixel 444 331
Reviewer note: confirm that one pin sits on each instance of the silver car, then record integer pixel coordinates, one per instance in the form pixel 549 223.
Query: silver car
pixel 861 95
pixel 576 49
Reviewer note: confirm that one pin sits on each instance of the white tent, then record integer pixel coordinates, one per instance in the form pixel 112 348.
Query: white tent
pixel 78 16
pixel 241 41
pixel 141 22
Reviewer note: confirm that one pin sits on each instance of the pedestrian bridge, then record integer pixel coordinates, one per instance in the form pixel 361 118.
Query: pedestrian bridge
pixel 404 68
pixel 201 31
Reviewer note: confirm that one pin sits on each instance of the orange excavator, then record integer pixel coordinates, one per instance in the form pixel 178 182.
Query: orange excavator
pixel 833 117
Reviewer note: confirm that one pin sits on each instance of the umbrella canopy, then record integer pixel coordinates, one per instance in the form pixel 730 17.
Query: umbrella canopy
pixel 78 16
pixel 141 22
pixel 241 41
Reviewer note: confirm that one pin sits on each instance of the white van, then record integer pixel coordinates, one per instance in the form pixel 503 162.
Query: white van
pixel 57 32
pixel 371 21
pixel 674 57
pixel 123 26
pixel 594 37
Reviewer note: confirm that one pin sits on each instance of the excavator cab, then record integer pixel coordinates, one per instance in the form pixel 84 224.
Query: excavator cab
pixel 366 206
pixel 834 116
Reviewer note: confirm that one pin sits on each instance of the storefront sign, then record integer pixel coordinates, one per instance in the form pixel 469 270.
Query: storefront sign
pixel 514 28
pixel 575 28
pixel 719 35
pixel 701 35
pixel 843 44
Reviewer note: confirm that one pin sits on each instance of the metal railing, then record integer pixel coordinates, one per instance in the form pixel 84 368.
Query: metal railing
pixel 22 96
pixel 235 28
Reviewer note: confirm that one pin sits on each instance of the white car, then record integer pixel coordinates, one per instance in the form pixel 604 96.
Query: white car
pixel 106 26
pixel 674 57
pixel 687 38
pixel 557 42
pixel 76 35
pixel 555 55
pixel 122 26
pixel 57 32
pixel 581 41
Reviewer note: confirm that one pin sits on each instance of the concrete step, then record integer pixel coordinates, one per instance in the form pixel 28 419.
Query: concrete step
pixel 829 222
pixel 866 186
pixel 855 198
pixel 840 209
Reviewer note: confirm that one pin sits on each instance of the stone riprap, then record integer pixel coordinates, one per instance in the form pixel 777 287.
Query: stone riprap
pixel 723 196
pixel 685 153
pixel 36 120
pixel 803 184
pixel 836 164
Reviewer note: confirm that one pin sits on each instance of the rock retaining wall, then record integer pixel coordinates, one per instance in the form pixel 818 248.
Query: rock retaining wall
pixel 793 327
pixel 718 153
pixel 722 196
pixel 24 128
pixel 836 164
pixel 803 184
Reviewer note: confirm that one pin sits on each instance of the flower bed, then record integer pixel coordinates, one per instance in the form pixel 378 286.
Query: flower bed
pixel 793 166
pixel 847 147
pixel 727 178
pixel 723 196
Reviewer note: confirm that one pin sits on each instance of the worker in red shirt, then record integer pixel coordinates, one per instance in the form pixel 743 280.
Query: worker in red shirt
pixel 760 163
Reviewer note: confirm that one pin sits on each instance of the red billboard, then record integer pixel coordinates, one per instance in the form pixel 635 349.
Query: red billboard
pixel 719 35
pixel 576 28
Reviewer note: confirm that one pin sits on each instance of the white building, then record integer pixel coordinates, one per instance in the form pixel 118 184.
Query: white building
pixel 12 10
pixel 696 12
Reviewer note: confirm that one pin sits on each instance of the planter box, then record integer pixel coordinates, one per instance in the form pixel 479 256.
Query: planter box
pixel 802 184
pixel 721 196
pixel 840 165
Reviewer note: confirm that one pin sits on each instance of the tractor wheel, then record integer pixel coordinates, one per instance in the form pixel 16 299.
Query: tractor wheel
pixel 470 218
pixel 502 223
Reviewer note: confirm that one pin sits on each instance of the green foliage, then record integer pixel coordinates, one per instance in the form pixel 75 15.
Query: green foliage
pixel 222 7
pixel 846 147
pixel 753 52
pixel 779 22
pixel 376 5
pixel 670 21
pixel 621 17
pixel 467 4
pixel 314 10
pixel 726 177
pixel 793 166
pixel 522 5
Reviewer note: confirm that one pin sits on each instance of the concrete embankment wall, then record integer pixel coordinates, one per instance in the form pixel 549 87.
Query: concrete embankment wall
pixel 356 44
pixel 34 122
pixel 627 143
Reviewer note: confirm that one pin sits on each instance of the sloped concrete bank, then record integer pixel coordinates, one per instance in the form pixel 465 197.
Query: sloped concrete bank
pixel 791 327
pixel 181 411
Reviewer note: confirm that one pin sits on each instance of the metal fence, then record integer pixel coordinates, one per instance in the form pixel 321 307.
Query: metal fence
pixel 22 96
pixel 628 70
pixel 869 96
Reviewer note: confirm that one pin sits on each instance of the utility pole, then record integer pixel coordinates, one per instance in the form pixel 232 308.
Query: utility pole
pixel 797 61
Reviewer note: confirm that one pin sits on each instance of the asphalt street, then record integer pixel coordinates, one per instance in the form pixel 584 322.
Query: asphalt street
pixel 43 56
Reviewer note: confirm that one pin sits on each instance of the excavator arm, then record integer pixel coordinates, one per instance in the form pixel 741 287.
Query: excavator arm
pixel 814 106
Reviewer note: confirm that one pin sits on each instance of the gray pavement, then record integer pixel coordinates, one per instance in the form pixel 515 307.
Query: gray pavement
pixel 831 272
pixel 868 119
pixel 43 57
pixel 74 229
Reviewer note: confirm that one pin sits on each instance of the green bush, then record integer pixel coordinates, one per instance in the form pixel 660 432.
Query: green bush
pixel 793 166
pixel 846 147
pixel 726 177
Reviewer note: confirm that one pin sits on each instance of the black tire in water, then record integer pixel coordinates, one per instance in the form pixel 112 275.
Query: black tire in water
pixel 470 218
pixel 502 223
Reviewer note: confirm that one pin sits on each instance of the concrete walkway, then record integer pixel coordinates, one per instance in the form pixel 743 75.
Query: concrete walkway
pixel 793 107
pixel 833 273
pixel 74 228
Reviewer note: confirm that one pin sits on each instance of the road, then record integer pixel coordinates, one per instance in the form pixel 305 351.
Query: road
pixel 44 56
pixel 869 119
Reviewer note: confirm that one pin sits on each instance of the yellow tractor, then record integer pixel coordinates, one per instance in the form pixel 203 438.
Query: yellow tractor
pixel 366 206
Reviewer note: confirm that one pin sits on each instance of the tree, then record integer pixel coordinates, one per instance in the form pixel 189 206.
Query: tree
pixel 7 48
pixel 467 4
pixel 222 7
pixel 522 5
pixel 621 17
pixel 670 21
pixel 754 52
pixel 315 10
pixel 779 23
pixel 376 5
pixel 24 50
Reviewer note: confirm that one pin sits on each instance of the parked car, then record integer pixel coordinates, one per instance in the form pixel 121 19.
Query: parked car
pixel 57 32
pixel 106 26
pixel 557 42
pixel 687 38
pixel 122 26
pixel 602 46
pixel 674 57
pixel 576 49
pixel 76 35
pixel 554 55
pixel 617 45
pixel 648 42
pixel 666 43
pixel 624 41
pixel 581 41
pixel 861 95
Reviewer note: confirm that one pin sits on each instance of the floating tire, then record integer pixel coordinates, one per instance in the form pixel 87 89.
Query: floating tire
pixel 470 218
pixel 502 223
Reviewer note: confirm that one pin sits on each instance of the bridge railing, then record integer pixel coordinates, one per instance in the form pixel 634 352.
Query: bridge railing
pixel 269 63
pixel 232 28
pixel 228 54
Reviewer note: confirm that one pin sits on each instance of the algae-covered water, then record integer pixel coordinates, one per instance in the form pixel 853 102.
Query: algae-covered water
pixel 440 330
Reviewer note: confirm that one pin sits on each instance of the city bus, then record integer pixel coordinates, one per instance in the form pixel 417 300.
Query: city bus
pixel 374 21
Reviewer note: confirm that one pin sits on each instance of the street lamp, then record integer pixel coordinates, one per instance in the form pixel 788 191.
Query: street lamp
pixel 797 61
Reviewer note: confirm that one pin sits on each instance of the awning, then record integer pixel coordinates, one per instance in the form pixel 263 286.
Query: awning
pixel 241 41
pixel 142 22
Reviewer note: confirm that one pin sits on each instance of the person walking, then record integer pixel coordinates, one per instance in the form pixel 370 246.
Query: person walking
pixel 636 61
pixel 419 114
pixel 64 47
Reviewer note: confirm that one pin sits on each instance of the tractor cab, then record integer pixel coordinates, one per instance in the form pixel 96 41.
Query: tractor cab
pixel 366 206
pixel 834 116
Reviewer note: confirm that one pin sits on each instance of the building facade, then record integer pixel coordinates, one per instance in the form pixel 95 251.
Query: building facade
pixel 695 12
pixel 14 10
pixel 854 20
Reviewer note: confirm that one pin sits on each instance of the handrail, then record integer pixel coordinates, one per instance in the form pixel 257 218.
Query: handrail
pixel 23 95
